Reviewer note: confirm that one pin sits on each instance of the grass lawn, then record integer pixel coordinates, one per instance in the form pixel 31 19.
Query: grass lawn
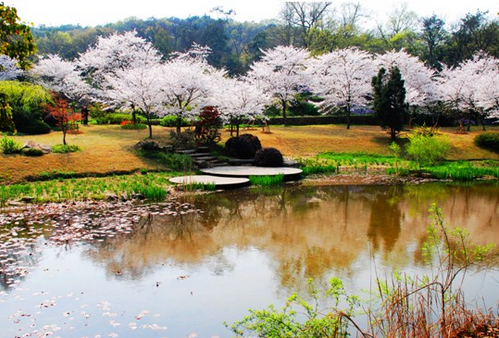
pixel 110 148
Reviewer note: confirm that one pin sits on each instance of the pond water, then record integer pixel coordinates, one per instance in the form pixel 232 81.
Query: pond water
pixel 182 273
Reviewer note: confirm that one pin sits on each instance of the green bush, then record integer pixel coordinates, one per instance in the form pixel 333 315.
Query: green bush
pixel 244 146
pixel 118 118
pixel 9 146
pixel 65 148
pixel 34 127
pixel 488 141
pixel 427 150
pixel 32 152
pixel 171 121
pixel 268 157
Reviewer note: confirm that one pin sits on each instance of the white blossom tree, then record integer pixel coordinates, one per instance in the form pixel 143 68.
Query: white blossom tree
pixel 281 72
pixel 343 78
pixel 188 83
pixel 139 88
pixel 471 90
pixel 418 78
pixel 9 69
pixel 61 76
pixel 117 63
pixel 237 99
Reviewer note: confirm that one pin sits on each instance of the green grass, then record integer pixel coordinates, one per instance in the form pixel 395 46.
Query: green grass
pixel 65 148
pixel 463 171
pixel 267 180
pixel 332 163
pixel 150 185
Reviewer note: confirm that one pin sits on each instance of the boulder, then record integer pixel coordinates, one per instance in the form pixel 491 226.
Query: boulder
pixel 34 145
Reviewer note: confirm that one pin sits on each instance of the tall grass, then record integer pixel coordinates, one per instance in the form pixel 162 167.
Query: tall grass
pixel 267 180
pixel 151 186
pixel 334 163
pixel 462 171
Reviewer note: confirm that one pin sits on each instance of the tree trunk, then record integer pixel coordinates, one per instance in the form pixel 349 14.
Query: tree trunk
pixel 349 112
pixel 284 116
pixel 393 134
pixel 179 125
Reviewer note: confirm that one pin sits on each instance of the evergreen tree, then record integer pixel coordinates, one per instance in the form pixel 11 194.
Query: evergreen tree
pixel 389 100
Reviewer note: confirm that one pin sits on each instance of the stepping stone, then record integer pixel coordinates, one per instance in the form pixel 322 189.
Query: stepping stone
pixel 186 151
pixel 220 182
pixel 246 171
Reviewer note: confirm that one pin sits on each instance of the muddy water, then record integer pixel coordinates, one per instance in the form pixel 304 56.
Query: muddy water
pixel 182 276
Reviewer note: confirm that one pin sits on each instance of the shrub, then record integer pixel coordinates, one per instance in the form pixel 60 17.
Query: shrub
pixel 129 125
pixel 185 139
pixel 65 148
pixel 268 157
pixel 32 152
pixel 118 118
pixel 244 146
pixel 34 127
pixel 147 145
pixel 171 121
pixel 488 141
pixel 9 146
pixel 207 126
pixel 427 150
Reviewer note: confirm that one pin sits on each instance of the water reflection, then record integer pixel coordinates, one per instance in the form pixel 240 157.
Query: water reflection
pixel 308 231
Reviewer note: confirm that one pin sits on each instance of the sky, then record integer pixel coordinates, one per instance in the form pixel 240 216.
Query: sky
pixel 100 12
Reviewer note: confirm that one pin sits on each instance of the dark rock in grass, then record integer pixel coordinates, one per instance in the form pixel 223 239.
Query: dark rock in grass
pixel 138 196
pixel 27 199
pixel 112 197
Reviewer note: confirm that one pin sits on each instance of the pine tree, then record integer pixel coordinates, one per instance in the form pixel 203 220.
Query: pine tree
pixel 389 100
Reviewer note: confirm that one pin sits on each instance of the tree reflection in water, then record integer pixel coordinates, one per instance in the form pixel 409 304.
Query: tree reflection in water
pixel 308 231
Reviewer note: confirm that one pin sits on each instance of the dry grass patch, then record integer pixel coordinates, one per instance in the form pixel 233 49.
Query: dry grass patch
pixel 306 141
pixel 105 149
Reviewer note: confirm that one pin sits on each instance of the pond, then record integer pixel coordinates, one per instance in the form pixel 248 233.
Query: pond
pixel 183 268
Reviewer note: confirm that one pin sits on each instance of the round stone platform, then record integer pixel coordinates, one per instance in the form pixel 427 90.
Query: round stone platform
pixel 220 182
pixel 246 171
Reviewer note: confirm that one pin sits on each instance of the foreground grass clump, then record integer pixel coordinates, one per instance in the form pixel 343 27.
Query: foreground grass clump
pixel 150 186
pixel 463 171
pixel 267 180
pixel 431 305
pixel 334 163
pixel 176 162
pixel 65 148
pixel 9 146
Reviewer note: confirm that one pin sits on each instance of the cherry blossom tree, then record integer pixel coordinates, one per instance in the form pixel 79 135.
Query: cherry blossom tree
pixel 418 78
pixel 9 69
pixel 139 88
pixel 343 78
pixel 471 90
pixel 237 99
pixel 281 72
pixel 117 67
pixel 188 83
pixel 63 77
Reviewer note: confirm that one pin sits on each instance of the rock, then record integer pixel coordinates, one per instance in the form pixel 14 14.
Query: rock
pixel 34 145
pixel 27 199
pixel 111 197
